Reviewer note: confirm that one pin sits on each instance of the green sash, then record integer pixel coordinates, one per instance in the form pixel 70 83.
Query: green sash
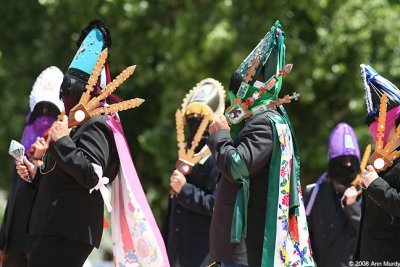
pixel 275 184
pixel 273 188
pixel 241 175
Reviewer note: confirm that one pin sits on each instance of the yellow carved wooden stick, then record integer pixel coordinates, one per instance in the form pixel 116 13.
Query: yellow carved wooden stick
pixel 365 158
pixel 198 156
pixel 393 156
pixel 390 145
pixel 187 157
pixel 110 88
pixel 180 134
pixel 185 154
pixel 384 156
pixel 381 123
pixel 363 165
pixel 94 77
pixel 128 104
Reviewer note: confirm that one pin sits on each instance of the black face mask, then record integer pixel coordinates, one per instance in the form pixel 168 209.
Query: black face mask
pixel 71 91
pixel 192 125
pixel 344 169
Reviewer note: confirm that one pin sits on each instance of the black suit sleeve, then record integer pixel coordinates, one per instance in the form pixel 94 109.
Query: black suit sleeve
pixel 254 145
pixel 384 196
pixel 197 195
pixel 353 214
pixel 92 146
pixel 196 199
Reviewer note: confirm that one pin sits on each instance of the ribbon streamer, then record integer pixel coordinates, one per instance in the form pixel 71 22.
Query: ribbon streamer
pixel 101 186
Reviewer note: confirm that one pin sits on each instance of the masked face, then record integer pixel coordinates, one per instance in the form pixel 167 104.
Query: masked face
pixel 343 169
pixel 192 125
pixel 71 91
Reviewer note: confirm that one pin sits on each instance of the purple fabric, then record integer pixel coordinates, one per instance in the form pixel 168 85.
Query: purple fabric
pixel 390 121
pixel 35 130
pixel 343 142
pixel 314 193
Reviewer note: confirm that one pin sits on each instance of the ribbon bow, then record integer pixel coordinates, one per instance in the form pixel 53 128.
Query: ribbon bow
pixel 101 185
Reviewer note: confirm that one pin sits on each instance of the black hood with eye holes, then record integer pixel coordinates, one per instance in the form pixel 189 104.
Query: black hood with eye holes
pixel 192 125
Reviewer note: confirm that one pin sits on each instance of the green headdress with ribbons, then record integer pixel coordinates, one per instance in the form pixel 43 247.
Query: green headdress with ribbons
pixel 264 54
pixel 253 97
pixel 286 236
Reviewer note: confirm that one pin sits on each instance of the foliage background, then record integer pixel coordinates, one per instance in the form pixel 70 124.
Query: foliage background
pixel 177 43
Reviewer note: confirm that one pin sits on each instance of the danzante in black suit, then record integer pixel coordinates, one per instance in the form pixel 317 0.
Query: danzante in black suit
pixel 45 105
pixel 333 229
pixel 14 240
pixel 257 158
pixel 66 219
pixel 333 204
pixel 255 145
pixel 379 235
pixel 187 225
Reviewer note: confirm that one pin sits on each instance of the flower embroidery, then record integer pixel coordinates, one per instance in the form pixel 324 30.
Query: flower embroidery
pixel 283 171
pixel 285 200
pixel 292 248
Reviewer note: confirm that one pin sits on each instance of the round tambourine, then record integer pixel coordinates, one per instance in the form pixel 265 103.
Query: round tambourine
pixel 184 167
pixel 379 162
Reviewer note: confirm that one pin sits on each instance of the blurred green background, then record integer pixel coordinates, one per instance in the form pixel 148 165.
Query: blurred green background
pixel 177 43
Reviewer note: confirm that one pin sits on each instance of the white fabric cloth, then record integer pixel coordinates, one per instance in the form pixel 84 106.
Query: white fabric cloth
pixel 101 185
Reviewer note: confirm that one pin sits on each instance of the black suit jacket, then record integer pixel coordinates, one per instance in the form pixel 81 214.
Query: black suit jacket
pixel 379 238
pixel 63 206
pixel 333 228
pixel 187 226
pixel 254 144
pixel 13 235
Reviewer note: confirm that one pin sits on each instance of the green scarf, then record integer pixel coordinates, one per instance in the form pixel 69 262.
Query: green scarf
pixel 273 188
pixel 239 170
pixel 240 175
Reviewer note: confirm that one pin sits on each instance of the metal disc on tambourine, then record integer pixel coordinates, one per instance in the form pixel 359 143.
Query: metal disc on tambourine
pixel 16 150
pixel 183 167
pixel 79 116
pixel 379 163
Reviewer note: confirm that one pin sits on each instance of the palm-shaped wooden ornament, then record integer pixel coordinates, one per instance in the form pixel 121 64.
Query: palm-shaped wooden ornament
pixel 384 155
pixel 89 107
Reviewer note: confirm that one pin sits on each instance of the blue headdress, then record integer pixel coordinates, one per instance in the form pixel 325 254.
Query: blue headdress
pixel 375 86
pixel 93 39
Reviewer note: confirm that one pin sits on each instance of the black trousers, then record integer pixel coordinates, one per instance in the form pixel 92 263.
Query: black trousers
pixel 15 259
pixel 50 251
